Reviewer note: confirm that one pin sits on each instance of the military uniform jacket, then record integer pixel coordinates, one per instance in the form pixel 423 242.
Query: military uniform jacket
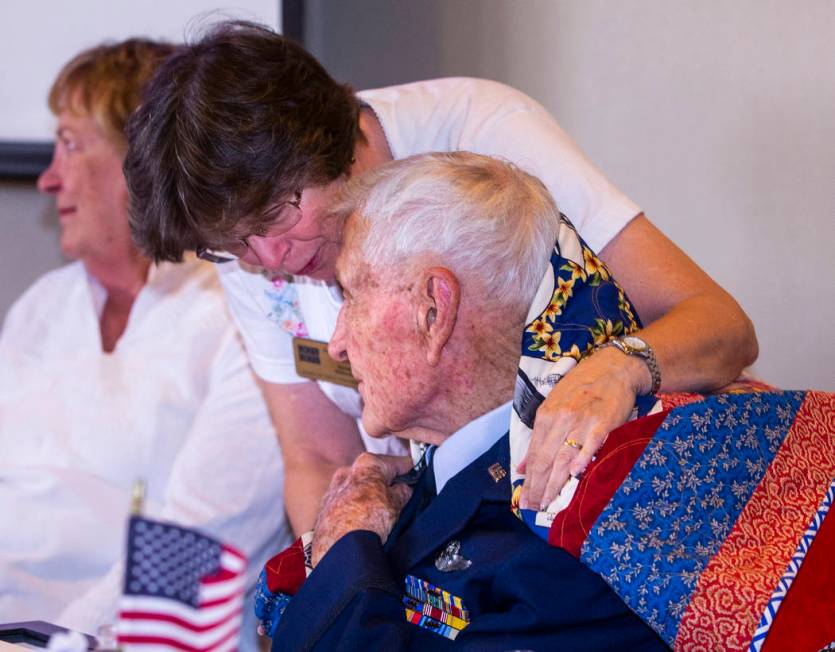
pixel 518 592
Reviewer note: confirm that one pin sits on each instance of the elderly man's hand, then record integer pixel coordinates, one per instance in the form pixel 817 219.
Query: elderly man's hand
pixel 593 399
pixel 361 497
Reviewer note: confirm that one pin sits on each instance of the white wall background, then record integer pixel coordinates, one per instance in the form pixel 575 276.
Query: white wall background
pixel 717 117
pixel 38 37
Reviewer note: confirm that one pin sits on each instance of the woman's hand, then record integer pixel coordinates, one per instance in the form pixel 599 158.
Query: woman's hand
pixel 701 337
pixel 571 425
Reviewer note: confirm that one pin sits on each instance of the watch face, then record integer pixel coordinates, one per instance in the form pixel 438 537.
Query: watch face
pixel 634 343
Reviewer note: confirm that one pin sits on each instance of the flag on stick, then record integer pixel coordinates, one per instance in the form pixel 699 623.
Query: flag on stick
pixel 183 590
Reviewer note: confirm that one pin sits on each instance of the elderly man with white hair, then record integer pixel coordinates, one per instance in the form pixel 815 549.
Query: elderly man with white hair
pixel 442 257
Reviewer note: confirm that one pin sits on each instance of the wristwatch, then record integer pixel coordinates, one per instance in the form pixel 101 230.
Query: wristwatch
pixel 634 345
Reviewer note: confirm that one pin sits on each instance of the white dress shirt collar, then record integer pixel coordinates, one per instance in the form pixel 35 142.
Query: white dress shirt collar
pixel 470 442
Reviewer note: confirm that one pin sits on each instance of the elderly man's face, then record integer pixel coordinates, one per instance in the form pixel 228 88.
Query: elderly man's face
pixel 376 331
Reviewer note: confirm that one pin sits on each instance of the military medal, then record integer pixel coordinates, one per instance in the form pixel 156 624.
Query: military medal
pixel 451 558
pixel 432 608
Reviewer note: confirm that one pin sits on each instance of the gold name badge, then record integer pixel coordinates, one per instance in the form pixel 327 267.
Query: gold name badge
pixel 313 362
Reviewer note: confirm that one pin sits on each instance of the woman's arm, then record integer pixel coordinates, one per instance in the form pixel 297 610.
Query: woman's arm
pixel 700 334
pixel 316 438
pixel 701 337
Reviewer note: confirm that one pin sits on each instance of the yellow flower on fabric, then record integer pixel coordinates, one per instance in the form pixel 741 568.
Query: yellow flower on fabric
pixel 594 265
pixel 552 345
pixel 603 333
pixel 565 287
pixel 625 307
pixel 574 352
pixel 552 311
pixel 540 328
pixel 576 270
pixel 514 499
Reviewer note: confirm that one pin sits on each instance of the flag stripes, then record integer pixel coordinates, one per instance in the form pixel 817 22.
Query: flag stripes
pixel 183 590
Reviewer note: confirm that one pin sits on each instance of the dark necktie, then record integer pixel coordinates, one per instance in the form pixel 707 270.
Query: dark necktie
pixel 413 475
pixel 422 480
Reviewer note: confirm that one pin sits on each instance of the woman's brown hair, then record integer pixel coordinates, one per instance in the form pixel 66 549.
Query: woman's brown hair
pixel 230 125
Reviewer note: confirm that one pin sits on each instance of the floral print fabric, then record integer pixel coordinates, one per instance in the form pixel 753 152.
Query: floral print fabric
pixel 283 301
pixel 578 307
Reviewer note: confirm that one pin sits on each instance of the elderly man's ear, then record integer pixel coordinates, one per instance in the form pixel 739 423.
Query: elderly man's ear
pixel 438 297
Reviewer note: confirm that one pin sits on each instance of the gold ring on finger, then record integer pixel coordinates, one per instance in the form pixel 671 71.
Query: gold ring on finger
pixel 573 443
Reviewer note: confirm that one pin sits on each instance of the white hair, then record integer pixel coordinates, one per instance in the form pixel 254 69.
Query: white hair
pixel 484 218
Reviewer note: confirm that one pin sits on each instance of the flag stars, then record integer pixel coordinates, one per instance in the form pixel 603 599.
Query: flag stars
pixel 166 560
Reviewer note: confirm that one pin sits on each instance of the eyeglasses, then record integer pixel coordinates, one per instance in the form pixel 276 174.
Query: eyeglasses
pixel 219 256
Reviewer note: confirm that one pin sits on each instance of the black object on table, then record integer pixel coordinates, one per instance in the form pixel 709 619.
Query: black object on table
pixel 35 633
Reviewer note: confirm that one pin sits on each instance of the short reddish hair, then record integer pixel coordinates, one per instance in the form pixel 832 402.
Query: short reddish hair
pixel 106 83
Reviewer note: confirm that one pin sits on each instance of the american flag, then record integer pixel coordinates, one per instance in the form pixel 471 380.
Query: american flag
pixel 183 590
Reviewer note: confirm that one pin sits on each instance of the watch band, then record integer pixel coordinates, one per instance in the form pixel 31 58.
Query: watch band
pixel 644 352
pixel 654 371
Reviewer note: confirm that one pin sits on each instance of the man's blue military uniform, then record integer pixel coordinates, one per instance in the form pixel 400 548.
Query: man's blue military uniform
pixel 516 593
